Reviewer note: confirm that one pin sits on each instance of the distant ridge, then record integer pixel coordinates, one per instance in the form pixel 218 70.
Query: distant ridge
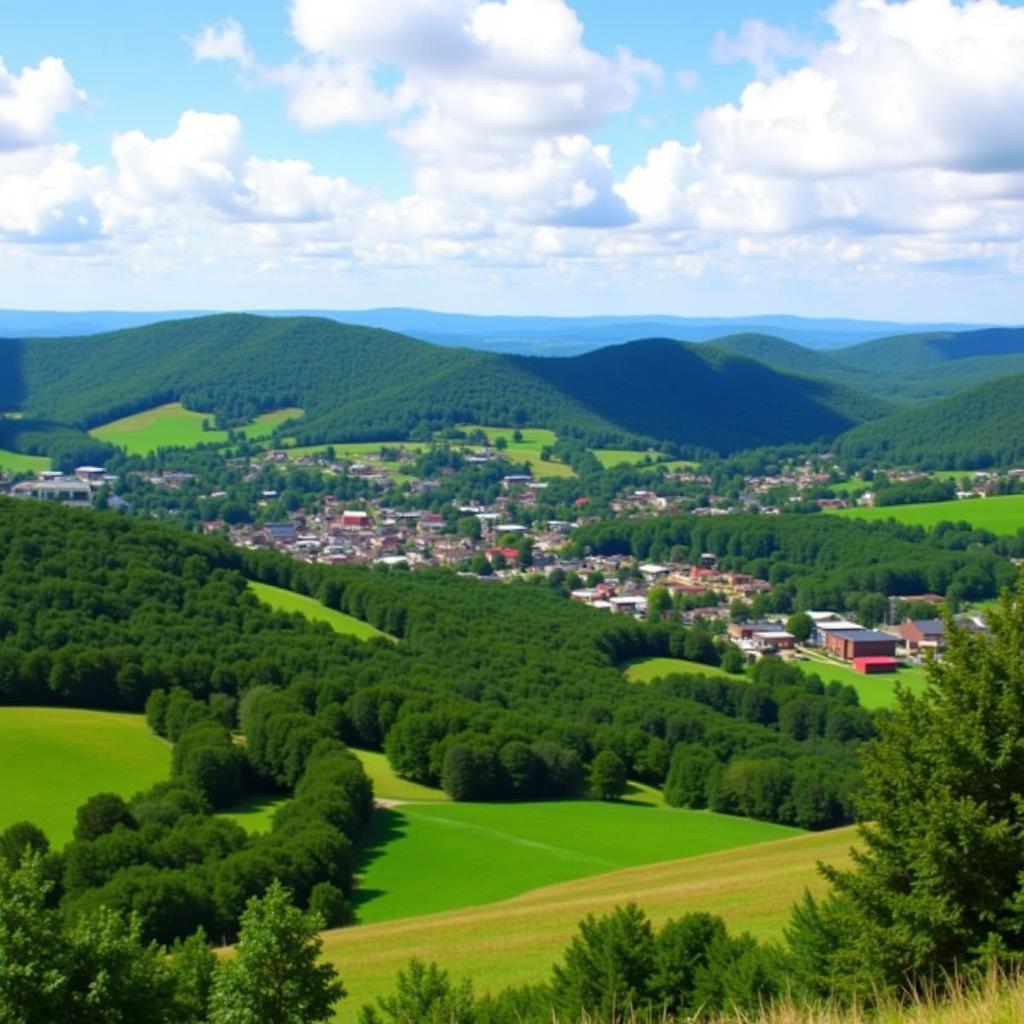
pixel 360 383
pixel 525 335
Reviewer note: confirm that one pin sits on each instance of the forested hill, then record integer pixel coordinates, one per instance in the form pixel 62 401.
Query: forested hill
pixel 923 366
pixel 983 426
pixel 361 383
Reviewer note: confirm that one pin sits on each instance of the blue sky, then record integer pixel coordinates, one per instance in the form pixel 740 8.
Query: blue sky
pixel 861 158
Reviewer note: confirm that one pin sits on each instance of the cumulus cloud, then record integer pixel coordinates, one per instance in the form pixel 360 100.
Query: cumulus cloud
pixel 31 102
pixel 506 66
pixel 223 41
pixel 47 196
pixel 203 163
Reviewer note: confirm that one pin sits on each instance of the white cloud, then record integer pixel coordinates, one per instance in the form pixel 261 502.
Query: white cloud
pixel 46 195
pixel 923 83
pixel 505 66
pixel 204 163
pixel 31 102
pixel 223 41
pixel 761 44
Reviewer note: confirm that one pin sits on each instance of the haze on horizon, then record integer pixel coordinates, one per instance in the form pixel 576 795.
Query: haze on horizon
pixel 863 158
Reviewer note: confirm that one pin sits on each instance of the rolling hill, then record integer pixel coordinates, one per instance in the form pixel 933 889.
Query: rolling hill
pixel 982 426
pixel 359 383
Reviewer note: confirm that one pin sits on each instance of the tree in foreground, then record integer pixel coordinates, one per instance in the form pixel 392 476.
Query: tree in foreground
pixel 424 994
pixel 937 885
pixel 274 976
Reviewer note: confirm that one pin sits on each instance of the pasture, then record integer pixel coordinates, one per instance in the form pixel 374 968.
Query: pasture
pixel 516 941
pixel 644 670
pixel 1000 515
pixel 310 608
pixel 263 426
pixel 423 858
pixel 53 759
pixel 16 462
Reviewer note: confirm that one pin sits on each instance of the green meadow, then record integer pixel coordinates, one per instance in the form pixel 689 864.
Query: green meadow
pixel 263 426
pixel 165 426
pixel 389 786
pixel 527 449
pixel 612 457
pixel 644 670
pixel 1001 515
pixel 515 941
pixel 172 425
pixel 16 462
pixel 286 601
pixel 424 858
pixel 53 759
pixel 254 812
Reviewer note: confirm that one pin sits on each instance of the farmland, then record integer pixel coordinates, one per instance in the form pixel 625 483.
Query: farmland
pixel 54 759
pixel 1000 515
pixel 287 601
pixel 515 941
pixel 647 669
pixel 611 457
pixel 16 462
pixel 424 858
pixel 172 425
pixel 389 786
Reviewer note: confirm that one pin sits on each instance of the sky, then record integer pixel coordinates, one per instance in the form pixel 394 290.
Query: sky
pixel 863 158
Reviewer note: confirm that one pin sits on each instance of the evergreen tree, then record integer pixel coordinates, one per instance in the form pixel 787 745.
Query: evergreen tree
pixel 936 886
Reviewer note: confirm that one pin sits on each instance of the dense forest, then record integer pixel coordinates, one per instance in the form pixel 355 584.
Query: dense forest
pixel 358 383
pixel 974 429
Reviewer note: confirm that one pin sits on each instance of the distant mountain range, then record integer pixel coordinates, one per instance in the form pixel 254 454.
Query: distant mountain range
pixel 934 397
pixel 524 335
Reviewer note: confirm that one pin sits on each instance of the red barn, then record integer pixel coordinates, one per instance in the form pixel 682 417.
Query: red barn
pixel 849 644
pixel 873 666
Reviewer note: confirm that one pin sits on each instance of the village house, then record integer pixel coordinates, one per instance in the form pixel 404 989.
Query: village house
pixel 921 635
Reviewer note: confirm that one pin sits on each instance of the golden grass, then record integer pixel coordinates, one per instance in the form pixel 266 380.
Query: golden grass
pixel 516 941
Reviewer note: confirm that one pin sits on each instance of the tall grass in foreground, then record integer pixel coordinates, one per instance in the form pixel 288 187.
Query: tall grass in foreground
pixel 998 1001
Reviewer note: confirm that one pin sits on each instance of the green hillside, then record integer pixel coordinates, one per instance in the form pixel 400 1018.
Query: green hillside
pixel 358 383
pixel 980 427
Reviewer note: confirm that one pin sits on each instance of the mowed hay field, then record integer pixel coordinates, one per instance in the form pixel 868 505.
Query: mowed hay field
pixel 16 462
pixel 423 858
pixel 286 601
pixel 172 425
pixel 1000 515
pixel 53 759
pixel 517 940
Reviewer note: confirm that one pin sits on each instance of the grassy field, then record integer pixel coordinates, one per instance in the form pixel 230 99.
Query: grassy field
pixel 286 601
pixel 161 427
pixel 516 941
pixel 389 786
pixel 172 425
pixel 53 759
pixel 356 450
pixel 424 858
pixel 611 457
pixel 254 813
pixel 263 426
pixel 15 462
pixel 526 450
pixel 1002 515
pixel 646 669
pixel 874 691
